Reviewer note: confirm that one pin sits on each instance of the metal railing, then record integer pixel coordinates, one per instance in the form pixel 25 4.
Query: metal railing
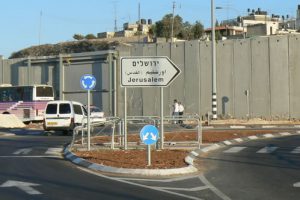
pixel 111 133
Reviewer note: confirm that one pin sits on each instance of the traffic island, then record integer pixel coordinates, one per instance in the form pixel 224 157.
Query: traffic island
pixel 164 162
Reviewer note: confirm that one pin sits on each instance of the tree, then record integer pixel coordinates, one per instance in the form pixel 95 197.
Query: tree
pixel 197 30
pixel 164 26
pixel 90 36
pixel 78 37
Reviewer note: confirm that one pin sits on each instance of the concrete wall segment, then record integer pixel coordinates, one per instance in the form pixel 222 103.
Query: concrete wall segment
pixel 279 77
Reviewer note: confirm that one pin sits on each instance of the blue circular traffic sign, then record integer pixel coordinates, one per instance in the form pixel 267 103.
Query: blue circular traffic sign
pixel 87 82
pixel 149 134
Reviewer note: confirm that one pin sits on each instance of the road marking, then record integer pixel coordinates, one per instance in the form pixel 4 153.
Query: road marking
pixel 22 151
pixel 238 127
pixel 24 186
pixel 285 134
pixel 296 150
pixel 213 188
pixel 210 148
pixel 253 137
pixel 267 150
pixel 268 135
pixel 234 149
pixel 140 185
pixel 37 156
pixel 297 184
pixel 269 126
pixel 54 151
pixel 239 139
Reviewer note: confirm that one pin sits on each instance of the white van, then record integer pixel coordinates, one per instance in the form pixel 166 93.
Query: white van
pixel 63 115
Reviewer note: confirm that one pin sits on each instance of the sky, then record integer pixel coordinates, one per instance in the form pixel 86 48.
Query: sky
pixel 27 23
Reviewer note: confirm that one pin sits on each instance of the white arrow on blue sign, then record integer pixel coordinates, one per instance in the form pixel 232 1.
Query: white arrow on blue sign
pixel 149 134
pixel 87 82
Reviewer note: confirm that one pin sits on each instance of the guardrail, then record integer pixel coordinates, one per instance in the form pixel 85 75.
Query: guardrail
pixel 111 132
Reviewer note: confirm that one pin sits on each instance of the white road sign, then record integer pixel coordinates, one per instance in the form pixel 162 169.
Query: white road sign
pixel 147 71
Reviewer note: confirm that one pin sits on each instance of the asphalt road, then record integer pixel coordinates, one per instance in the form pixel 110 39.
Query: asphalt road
pixel 260 169
pixel 32 168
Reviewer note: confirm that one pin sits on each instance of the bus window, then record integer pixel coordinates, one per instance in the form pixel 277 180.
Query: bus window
pixel 27 94
pixel 44 91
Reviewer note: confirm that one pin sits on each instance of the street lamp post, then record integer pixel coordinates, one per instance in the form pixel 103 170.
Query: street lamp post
pixel 214 64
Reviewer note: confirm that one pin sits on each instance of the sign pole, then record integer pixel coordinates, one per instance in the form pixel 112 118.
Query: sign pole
pixel 125 118
pixel 88 122
pixel 161 118
pixel 149 135
pixel 88 82
pixel 149 155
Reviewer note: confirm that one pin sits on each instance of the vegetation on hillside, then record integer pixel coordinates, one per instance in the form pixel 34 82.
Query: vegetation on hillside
pixel 65 48
pixel 181 30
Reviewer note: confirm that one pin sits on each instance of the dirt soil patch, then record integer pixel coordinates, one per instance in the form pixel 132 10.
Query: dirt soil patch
pixel 161 159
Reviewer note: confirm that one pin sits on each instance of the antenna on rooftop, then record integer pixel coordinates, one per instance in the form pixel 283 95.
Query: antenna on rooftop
pixel 40 27
pixel 115 13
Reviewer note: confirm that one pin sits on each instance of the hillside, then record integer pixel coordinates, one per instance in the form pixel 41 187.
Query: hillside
pixel 73 47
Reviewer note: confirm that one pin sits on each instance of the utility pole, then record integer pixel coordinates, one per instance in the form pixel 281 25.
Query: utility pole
pixel 40 27
pixel 139 22
pixel 115 13
pixel 214 67
pixel 172 25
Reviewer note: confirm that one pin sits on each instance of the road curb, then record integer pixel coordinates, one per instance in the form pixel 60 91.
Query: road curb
pixel 144 172
pixel 175 171
pixel 193 154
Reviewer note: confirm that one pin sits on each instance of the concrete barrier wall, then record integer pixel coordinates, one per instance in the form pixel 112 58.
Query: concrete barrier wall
pixel 260 79
pixel 192 82
pixel 294 73
pixel 225 77
pixel 205 78
pixel 279 77
pixel 241 78
pixel 257 77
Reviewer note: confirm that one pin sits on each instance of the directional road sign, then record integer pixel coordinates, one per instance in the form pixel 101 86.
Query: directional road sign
pixel 149 134
pixel 87 82
pixel 148 71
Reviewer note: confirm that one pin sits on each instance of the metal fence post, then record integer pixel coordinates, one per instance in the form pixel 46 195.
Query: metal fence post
pixel 113 137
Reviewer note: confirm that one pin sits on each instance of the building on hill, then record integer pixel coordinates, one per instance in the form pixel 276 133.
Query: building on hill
pixel 258 23
pixel 141 27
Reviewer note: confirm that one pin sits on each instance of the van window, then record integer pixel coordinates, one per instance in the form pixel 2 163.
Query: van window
pixel 64 108
pixel 77 109
pixel 51 109
pixel 84 111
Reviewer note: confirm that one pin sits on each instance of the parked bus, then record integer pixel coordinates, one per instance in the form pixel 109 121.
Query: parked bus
pixel 26 102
